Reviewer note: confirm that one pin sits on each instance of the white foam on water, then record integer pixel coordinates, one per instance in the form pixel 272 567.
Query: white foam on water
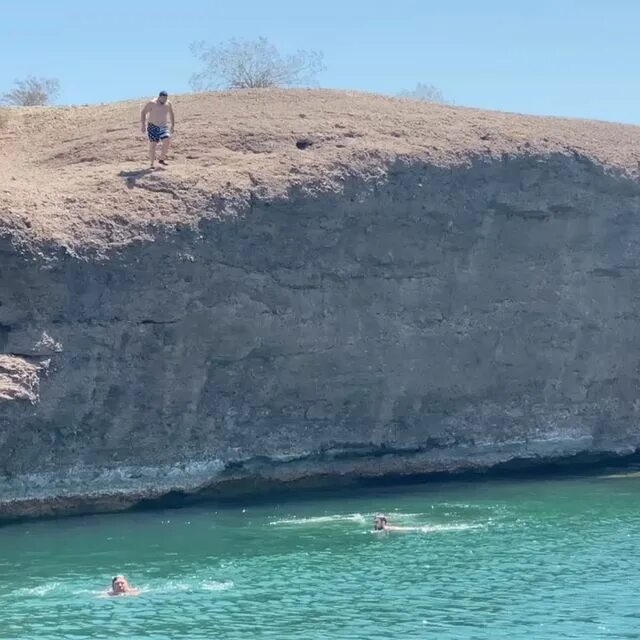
pixel 433 528
pixel 461 505
pixel 187 584
pixel 397 516
pixel 213 585
pixel 436 528
pixel 92 592
pixel 39 591
pixel 170 586
pixel 403 519
pixel 352 517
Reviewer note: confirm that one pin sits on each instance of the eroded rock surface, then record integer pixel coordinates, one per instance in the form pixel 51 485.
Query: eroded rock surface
pixel 420 314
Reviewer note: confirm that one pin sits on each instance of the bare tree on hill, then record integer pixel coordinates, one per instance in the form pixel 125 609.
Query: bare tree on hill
pixel 425 93
pixel 253 64
pixel 32 92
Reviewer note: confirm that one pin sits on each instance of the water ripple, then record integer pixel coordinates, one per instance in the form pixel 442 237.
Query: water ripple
pixel 518 561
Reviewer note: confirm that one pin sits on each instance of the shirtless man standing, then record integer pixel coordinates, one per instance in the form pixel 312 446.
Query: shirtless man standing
pixel 158 110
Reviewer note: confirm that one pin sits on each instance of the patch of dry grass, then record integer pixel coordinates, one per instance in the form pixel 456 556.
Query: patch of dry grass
pixel 78 175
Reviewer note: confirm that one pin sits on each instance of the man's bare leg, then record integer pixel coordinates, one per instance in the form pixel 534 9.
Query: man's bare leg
pixel 152 152
pixel 165 149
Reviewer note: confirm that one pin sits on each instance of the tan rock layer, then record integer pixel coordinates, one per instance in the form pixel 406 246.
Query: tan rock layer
pixel 19 379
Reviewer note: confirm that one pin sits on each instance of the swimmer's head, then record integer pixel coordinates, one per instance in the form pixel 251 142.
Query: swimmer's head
pixel 163 97
pixel 379 522
pixel 119 584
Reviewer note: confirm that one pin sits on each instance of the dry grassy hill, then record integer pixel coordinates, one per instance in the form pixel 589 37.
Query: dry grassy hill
pixel 77 175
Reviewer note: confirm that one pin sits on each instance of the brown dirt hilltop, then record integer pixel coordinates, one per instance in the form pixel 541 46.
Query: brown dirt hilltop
pixel 76 176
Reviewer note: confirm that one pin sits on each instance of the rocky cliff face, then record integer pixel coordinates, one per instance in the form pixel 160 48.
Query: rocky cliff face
pixel 419 314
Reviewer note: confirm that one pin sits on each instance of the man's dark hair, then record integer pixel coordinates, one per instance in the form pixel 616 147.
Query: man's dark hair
pixel 163 93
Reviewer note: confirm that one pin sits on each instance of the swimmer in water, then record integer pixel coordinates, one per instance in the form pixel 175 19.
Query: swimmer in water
pixel 121 587
pixel 380 523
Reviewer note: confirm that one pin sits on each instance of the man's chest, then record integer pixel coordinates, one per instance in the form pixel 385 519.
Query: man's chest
pixel 159 110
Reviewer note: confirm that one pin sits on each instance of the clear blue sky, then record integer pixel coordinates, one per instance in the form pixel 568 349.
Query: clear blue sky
pixel 563 57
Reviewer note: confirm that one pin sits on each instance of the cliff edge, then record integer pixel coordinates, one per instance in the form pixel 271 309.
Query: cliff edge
pixel 322 285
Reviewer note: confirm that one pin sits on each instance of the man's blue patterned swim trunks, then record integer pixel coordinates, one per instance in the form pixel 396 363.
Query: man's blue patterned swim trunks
pixel 157 133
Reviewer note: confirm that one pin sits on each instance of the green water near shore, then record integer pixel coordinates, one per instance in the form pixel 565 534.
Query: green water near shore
pixel 513 559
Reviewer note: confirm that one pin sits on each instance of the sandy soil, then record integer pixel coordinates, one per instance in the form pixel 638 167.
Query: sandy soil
pixel 78 176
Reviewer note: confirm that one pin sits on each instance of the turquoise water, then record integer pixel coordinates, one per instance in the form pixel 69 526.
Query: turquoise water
pixel 530 559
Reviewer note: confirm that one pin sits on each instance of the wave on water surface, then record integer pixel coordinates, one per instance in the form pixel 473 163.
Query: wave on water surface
pixel 351 517
pixel 173 586
pixel 40 590
pixel 403 519
pixel 168 586
pixel 434 528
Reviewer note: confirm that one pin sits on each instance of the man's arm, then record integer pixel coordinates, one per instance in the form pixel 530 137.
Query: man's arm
pixel 173 118
pixel 143 116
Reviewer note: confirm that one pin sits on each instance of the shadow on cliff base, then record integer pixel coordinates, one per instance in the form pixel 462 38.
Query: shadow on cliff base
pixel 256 490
